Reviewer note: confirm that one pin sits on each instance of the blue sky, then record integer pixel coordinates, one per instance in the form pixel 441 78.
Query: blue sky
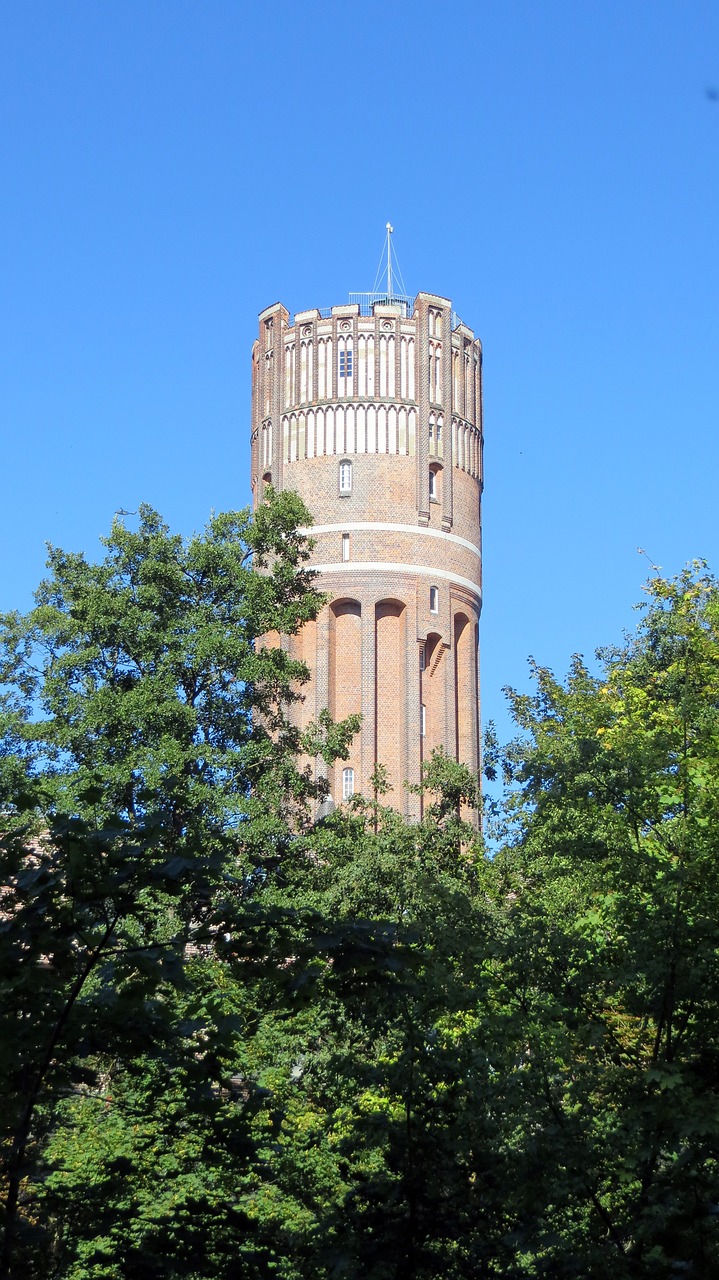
pixel 171 168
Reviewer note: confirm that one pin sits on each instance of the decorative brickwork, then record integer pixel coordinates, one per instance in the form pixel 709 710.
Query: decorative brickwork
pixel 376 421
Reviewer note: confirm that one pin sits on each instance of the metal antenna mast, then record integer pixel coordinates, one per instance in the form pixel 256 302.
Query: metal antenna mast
pixel 386 281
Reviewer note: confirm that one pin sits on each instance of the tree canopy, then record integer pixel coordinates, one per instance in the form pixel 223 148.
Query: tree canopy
pixel 237 1041
pixel 612 870
pixel 149 777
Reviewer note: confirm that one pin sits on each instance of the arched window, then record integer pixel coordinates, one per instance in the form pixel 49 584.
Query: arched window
pixel 345 476
pixel 348 783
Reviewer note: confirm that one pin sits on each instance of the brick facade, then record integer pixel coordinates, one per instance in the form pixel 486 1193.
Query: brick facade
pixel 376 421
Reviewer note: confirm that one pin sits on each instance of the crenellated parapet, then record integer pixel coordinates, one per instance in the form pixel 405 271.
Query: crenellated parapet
pixel 349 383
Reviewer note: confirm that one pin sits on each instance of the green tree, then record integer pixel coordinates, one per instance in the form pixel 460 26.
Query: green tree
pixel 610 954
pixel 149 785
pixel 383 1114
pixel 236 1044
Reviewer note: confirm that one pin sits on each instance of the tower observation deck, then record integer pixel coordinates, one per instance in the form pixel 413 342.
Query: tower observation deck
pixel 372 412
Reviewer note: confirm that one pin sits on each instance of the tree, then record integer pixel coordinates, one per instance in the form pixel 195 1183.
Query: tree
pixel 383 1115
pixel 149 783
pixel 612 879
pixel 235 1043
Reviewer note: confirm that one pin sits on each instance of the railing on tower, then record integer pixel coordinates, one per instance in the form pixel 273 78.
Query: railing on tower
pixel 366 302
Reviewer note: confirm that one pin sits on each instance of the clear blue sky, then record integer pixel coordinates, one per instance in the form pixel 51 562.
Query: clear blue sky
pixel 170 168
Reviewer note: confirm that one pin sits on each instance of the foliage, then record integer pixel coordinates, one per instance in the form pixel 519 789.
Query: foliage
pixel 238 1043
pixel 386 1132
pixel 611 960
pixel 148 778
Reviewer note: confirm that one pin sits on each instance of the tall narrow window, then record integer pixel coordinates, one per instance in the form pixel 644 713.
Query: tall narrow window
pixel 422 720
pixel 345 546
pixel 422 658
pixel 434 599
pixel 433 485
pixel 348 783
pixel 345 477
pixel 345 369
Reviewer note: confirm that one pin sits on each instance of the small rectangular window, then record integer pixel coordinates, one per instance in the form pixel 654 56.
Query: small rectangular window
pixel 421 657
pixel 345 364
pixel 345 477
pixel 345 546
pixel 348 784
pixel 434 600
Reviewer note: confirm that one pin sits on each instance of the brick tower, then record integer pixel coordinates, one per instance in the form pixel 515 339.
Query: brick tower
pixel 372 412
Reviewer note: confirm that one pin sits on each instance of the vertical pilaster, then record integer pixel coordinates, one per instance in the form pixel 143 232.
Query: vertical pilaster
pixel 278 370
pixel 479 414
pixel 296 396
pixel 413 738
pixel 322 673
pixel 335 370
pixel 273 322
pixel 355 365
pixel 450 691
pixel 377 330
pixel 369 708
pixel 422 387
pixel 255 428
pixel 447 410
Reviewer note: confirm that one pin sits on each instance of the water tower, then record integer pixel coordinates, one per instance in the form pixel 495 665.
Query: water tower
pixel 372 412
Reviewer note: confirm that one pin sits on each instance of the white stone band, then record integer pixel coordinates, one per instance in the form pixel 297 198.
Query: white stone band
pixel 358 525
